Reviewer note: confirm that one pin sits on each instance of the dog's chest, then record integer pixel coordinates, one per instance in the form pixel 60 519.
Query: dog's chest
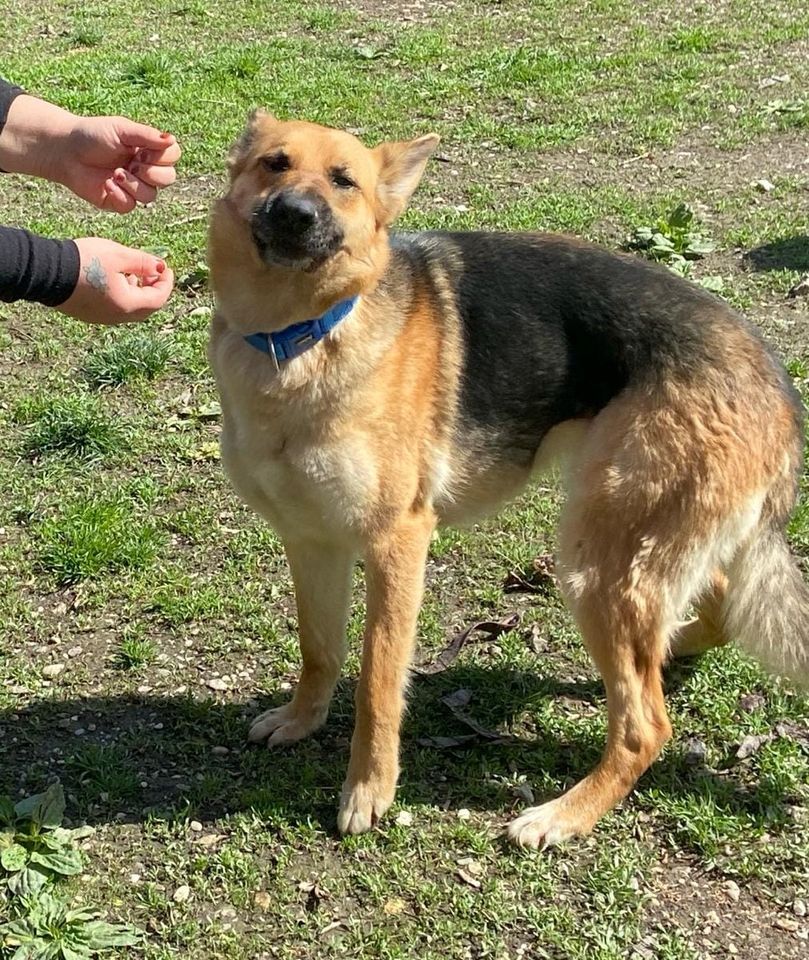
pixel 310 480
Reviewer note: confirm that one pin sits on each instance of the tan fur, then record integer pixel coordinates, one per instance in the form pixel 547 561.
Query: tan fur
pixel 349 451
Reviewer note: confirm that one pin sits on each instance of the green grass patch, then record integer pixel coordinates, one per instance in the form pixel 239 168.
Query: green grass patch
pixel 130 355
pixel 71 425
pixel 93 536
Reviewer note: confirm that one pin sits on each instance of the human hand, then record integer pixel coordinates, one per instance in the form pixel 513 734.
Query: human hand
pixel 111 162
pixel 117 284
pixel 114 163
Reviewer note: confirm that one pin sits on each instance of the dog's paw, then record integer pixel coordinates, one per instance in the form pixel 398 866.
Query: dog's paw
pixel 545 826
pixel 285 725
pixel 362 804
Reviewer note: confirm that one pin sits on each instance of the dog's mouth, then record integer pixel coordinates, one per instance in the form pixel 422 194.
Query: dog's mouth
pixel 296 231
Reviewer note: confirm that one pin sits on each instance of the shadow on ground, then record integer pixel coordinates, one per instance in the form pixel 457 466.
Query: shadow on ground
pixel 788 253
pixel 131 758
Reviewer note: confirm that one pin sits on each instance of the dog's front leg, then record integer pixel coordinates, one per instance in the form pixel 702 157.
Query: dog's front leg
pixel 321 573
pixel 394 574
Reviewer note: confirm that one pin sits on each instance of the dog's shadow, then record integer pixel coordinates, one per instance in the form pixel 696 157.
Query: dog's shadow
pixel 788 253
pixel 132 758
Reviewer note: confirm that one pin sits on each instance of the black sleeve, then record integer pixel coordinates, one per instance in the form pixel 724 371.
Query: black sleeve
pixel 36 268
pixel 8 94
pixel 31 267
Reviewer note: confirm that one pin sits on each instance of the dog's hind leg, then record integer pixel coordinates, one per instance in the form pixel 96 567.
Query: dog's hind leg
pixel 658 502
pixel 707 629
pixel 321 573
pixel 626 632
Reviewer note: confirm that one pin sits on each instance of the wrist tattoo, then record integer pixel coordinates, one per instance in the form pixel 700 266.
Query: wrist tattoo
pixel 96 276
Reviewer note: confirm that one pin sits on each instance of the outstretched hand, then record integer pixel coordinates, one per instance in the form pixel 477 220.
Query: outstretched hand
pixel 114 163
pixel 117 284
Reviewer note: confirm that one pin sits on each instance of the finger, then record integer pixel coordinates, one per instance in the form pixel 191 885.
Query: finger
pixel 116 198
pixel 140 301
pixel 135 187
pixel 165 157
pixel 152 174
pixel 134 134
pixel 139 264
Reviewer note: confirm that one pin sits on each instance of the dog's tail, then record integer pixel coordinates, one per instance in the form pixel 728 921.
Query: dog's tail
pixel 766 606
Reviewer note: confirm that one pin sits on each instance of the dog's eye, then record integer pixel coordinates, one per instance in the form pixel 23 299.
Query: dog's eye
pixel 276 162
pixel 341 179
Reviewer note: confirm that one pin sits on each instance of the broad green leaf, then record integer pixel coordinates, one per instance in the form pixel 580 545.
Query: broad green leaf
pixel 52 808
pixel 6 810
pixel 103 935
pixel 18 931
pixel 714 284
pixel 680 216
pixel 699 246
pixel 30 951
pixel 73 952
pixel 64 861
pixel 62 835
pixel 25 807
pixel 81 913
pixel 28 882
pixel 45 809
pixel 14 858
pixel 47 912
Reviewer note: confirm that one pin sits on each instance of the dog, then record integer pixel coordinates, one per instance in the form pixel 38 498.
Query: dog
pixel 374 386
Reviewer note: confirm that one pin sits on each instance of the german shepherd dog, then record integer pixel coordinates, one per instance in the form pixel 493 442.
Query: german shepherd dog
pixel 374 386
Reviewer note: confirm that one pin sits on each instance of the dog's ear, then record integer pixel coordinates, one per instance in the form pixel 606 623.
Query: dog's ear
pixel 240 150
pixel 401 165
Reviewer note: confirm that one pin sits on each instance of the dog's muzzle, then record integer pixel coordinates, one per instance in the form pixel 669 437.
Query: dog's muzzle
pixel 295 229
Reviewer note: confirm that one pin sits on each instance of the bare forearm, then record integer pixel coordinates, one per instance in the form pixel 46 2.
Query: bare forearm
pixel 31 134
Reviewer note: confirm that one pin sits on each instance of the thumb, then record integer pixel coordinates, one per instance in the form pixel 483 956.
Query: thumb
pixel 134 134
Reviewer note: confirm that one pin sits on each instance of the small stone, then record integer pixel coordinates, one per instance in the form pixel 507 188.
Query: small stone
pixel 696 752
pixel 216 683
pixel 394 906
pixel 799 908
pixel 219 751
pixel 182 894
pixel 786 923
pixel 52 670
pixel 731 888
pixel 262 900
pixel 801 288
pixel 19 689
pixel 196 826
pixel 763 186
pixel 404 818
pixel 464 814
pixel 209 840
pixel 469 879
pixel 134 878
pixel 74 652
pixel 144 688
pixel 524 792
pixel 473 867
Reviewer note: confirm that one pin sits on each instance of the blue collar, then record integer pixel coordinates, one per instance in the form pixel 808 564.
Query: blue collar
pixel 294 340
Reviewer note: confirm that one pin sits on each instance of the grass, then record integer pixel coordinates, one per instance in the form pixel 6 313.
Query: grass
pixel 126 557
pixel 94 536
pixel 125 357
pixel 71 425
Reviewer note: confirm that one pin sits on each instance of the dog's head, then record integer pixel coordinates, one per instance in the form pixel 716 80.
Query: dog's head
pixel 315 203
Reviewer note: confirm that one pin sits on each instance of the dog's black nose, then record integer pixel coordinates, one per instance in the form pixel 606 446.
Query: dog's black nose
pixel 293 213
